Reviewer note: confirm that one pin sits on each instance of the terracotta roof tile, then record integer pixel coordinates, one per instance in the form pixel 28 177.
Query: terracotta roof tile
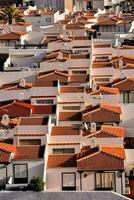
pixel 7 147
pixel 71 116
pixel 78 78
pixel 71 89
pixel 106 131
pixel 102 113
pixel 4 157
pixel 55 161
pixel 126 84
pixel 29 152
pixel 33 121
pixel 116 109
pixel 12 36
pixel 114 151
pixel 110 158
pixel 15 109
pixel 105 90
pixel 65 130
pixel 43 109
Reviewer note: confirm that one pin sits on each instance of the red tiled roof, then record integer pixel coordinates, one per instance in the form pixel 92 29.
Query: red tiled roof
pixel 110 158
pixel 124 84
pixel 42 109
pixel 4 157
pixel 12 36
pixel 102 113
pixel 65 160
pixel 117 131
pixel 15 109
pixel 50 77
pixel 78 78
pixel 107 131
pixel 64 130
pixel 114 151
pixel 105 90
pixel 112 108
pixel 72 116
pixel 71 89
pixel 33 121
pixel 29 152
pixel 7 147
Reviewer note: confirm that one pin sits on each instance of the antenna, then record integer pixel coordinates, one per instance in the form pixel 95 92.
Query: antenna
pixel 101 97
pixel 85 126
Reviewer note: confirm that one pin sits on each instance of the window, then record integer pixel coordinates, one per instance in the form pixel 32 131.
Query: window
pixel 79 72
pixel 48 19
pixel 63 150
pixel 29 142
pixel 99 58
pixel 105 180
pixel 71 107
pixel 68 181
pixel 44 101
pixel 128 97
pixel 102 79
pixel 20 172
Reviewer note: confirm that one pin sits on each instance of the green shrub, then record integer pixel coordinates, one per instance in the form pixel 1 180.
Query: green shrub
pixel 36 184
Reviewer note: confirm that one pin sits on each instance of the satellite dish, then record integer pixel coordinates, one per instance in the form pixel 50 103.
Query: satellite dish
pixel 23 83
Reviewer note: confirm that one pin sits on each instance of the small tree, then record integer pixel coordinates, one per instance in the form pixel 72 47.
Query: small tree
pixel 10 13
pixel 36 184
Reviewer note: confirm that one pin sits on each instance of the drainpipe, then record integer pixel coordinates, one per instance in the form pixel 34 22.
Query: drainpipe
pixel 6 174
pixel 80 180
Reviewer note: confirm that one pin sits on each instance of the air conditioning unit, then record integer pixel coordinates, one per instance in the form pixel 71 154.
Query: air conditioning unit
pixel 92 142
pixel 122 75
pixel 35 65
pixel 126 181
pixel 127 190
pixel 93 127
pixel 5 120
